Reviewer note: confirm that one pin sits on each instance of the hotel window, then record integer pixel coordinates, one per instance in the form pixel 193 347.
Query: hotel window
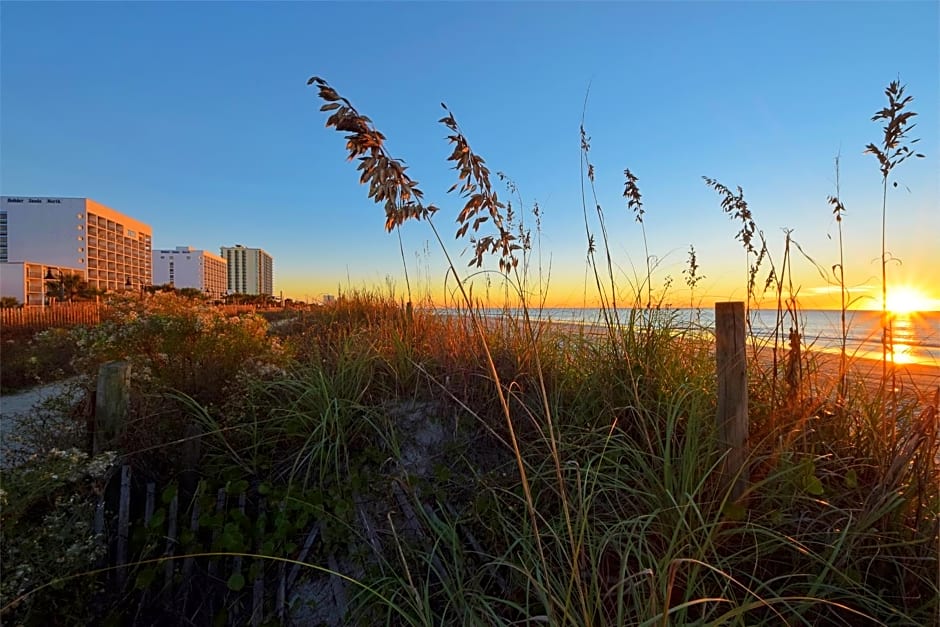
pixel 80 227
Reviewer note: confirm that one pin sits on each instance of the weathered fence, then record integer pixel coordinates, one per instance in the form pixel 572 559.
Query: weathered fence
pixel 57 315
pixel 195 574
pixel 35 318
pixel 184 549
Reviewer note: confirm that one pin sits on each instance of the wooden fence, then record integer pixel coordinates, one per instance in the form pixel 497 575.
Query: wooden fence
pixel 35 318
pixel 168 548
pixel 58 315
pixel 191 577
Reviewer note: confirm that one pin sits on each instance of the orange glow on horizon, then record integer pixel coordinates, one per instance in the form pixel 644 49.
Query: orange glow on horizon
pixel 904 300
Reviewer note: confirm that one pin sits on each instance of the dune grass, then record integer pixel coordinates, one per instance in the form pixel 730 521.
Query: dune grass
pixel 462 468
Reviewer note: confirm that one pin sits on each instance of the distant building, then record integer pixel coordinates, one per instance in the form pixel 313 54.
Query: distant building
pixel 28 281
pixel 185 267
pixel 109 249
pixel 250 270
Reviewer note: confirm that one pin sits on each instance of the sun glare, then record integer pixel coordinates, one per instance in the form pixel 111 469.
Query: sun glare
pixel 905 300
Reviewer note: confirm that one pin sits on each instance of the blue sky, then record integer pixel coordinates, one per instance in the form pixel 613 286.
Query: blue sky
pixel 196 118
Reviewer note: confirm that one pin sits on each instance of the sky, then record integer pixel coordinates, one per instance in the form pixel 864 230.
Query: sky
pixel 196 118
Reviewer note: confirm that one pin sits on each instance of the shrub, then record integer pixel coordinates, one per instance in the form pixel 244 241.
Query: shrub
pixel 179 344
pixel 46 537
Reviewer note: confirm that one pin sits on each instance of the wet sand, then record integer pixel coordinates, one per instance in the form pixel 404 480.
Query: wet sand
pixel 922 378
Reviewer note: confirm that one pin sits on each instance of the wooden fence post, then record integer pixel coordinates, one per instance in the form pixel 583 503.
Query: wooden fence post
pixel 112 399
pixel 731 361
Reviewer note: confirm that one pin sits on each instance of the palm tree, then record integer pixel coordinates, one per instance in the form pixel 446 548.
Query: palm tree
pixel 66 287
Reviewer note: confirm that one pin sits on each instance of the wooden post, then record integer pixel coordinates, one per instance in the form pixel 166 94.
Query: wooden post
pixel 731 360
pixel 112 399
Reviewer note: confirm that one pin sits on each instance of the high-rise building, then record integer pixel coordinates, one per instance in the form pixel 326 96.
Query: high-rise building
pixel 110 249
pixel 185 267
pixel 32 283
pixel 250 270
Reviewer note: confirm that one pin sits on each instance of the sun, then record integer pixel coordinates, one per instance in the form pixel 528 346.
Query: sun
pixel 904 300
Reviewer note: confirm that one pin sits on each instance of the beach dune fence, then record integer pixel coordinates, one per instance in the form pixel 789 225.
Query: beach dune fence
pixel 57 315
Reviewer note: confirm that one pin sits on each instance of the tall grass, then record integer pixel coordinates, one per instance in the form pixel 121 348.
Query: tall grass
pixel 838 211
pixel 626 521
pixel 894 149
pixel 474 470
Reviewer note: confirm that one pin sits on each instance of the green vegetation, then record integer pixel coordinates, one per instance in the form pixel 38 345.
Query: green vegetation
pixel 439 467
pixel 31 358
pixel 71 287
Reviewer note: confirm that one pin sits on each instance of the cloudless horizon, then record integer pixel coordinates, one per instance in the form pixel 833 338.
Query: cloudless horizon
pixel 196 118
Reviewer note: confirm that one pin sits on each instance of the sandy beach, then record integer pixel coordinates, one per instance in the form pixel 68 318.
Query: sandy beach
pixel 922 378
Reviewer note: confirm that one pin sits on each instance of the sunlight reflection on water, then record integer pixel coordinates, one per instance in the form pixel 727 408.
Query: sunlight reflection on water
pixel 916 335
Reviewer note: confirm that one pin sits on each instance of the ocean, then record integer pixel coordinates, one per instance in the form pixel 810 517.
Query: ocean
pixel 916 335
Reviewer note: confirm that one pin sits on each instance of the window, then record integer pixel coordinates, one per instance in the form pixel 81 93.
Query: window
pixel 81 237
pixel 81 249
pixel 81 227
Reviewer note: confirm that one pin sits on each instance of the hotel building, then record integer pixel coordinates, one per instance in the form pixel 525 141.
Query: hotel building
pixel 250 270
pixel 27 281
pixel 109 249
pixel 185 267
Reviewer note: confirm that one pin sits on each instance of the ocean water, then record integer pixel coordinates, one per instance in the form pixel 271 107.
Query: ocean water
pixel 916 336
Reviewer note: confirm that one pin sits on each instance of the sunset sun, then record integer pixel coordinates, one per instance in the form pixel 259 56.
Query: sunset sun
pixel 905 300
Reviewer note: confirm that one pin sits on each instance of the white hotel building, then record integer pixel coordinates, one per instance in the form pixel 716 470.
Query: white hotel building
pixel 250 270
pixel 185 267
pixel 74 235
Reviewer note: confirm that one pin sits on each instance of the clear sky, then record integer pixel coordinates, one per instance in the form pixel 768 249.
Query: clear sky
pixel 196 118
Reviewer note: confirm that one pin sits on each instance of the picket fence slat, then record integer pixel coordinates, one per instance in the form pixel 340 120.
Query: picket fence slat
pixel 35 318
pixel 257 596
pixel 171 540
pixel 124 514
pixel 149 503
pixel 180 577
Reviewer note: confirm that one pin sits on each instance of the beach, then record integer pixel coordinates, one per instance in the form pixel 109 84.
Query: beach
pixel 823 363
